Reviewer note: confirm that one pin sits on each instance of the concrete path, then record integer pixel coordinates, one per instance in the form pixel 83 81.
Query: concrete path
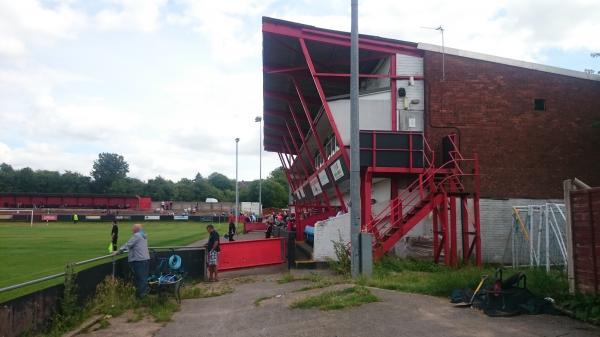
pixel 397 314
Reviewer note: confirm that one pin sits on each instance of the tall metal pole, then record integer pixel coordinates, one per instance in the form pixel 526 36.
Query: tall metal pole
pixel 258 119
pixel 354 146
pixel 237 194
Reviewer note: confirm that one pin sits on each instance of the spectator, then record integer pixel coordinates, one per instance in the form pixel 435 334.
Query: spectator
pixel 139 258
pixel 269 231
pixel 75 218
pixel 114 233
pixel 231 231
pixel 213 247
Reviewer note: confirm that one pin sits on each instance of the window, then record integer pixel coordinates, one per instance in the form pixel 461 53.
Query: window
pixel 539 104
pixel 331 146
pixel 318 160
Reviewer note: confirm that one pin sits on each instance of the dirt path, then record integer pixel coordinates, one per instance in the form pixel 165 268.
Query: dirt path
pixel 397 314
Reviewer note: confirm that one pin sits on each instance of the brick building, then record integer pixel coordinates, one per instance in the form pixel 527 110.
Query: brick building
pixel 438 132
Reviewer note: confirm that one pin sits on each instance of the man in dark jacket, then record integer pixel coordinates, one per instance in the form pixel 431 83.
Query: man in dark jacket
pixel 231 231
pixel 114 234
pixel 213 248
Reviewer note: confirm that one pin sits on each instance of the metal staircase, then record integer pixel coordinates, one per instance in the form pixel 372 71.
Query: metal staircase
pixel 436 191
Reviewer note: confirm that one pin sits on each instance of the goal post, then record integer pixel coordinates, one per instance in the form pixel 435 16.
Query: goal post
pixel 15 214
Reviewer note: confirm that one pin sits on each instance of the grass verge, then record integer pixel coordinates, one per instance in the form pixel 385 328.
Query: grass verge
pixel 337 299
pixel 426 277
pixel 115 296
pixel 259 300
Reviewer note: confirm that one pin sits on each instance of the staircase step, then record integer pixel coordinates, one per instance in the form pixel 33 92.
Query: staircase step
pixel 304 251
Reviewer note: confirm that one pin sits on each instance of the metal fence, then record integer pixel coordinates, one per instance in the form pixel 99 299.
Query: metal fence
pixel 34 311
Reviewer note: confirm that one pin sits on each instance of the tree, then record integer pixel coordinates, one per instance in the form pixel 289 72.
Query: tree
pixel 131 186
pixel 73 182
pixel 202 189
pixel 108 168
pixel 184 190
pixel 160 188
pixel 278 175
pixel 220 181
pixel 7 174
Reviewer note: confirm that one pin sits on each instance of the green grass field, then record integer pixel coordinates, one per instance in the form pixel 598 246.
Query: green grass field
pixel 28 252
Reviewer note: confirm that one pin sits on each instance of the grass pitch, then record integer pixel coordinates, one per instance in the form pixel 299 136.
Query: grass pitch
pixel 28 252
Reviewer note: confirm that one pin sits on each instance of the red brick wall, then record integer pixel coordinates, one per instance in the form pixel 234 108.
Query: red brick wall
pixel 585 229
pixel 523 153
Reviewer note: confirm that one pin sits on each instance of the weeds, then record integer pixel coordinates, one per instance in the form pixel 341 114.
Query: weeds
pixel 203 292
pixel 338 299
pixel 260 299
pixel 114 297
pixel 342 253
pixel 286 278
pixel 425 277
pixel 69 314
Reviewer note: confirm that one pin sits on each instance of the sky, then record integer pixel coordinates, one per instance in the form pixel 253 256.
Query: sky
pixel 169 84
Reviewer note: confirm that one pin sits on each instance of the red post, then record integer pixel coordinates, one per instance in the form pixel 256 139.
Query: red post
pixel 393 89
pixel 444 215
pixel 366 199
pixel 319 88
pixel 436 232
pixel 477 223
pixel 465 228
pixel 453 241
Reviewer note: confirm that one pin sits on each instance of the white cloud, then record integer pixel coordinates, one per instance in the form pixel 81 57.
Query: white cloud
pixel 142 15
pixel 510 28
pixel 26 22
pixel 184 118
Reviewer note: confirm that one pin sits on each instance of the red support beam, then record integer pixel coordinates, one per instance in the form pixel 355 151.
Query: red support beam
pixel 324 196
pixel 445 238
pixel 273 70
pixel 477 219
pixel 464 221
pixel 340 39
pixel 287 174
pixel 319 145
pixel 453 236
pixel 393 89
pixel 324 103
pixel 285 143
pixel 302 162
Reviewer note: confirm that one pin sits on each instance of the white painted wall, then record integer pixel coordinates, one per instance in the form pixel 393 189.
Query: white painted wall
pixel 410 116
pixel 326 232
pixel 374 113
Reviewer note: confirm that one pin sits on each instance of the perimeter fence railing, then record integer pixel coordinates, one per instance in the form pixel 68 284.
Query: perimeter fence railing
pixel 24 311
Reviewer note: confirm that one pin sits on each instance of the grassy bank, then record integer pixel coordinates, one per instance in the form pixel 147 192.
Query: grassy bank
pixel 424 277
pixel 32 252
pixel 337 299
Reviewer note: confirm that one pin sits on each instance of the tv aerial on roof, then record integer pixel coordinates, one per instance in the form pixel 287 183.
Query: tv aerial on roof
pixel 441 30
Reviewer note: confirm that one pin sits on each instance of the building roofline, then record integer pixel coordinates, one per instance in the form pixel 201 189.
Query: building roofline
pixel 509 61
pixel 449 51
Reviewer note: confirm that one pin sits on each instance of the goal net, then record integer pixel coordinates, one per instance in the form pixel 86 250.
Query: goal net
pixel 21 214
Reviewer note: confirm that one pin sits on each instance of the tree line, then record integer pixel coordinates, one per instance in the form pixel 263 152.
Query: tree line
pixel 109 176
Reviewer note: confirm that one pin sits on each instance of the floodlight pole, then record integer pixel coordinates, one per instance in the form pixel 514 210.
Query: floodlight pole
pixel 258 119
pixel 237 194
pixel 354 146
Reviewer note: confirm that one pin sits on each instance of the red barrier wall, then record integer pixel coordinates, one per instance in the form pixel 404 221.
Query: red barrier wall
pixel 251 253
pixel 254 226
